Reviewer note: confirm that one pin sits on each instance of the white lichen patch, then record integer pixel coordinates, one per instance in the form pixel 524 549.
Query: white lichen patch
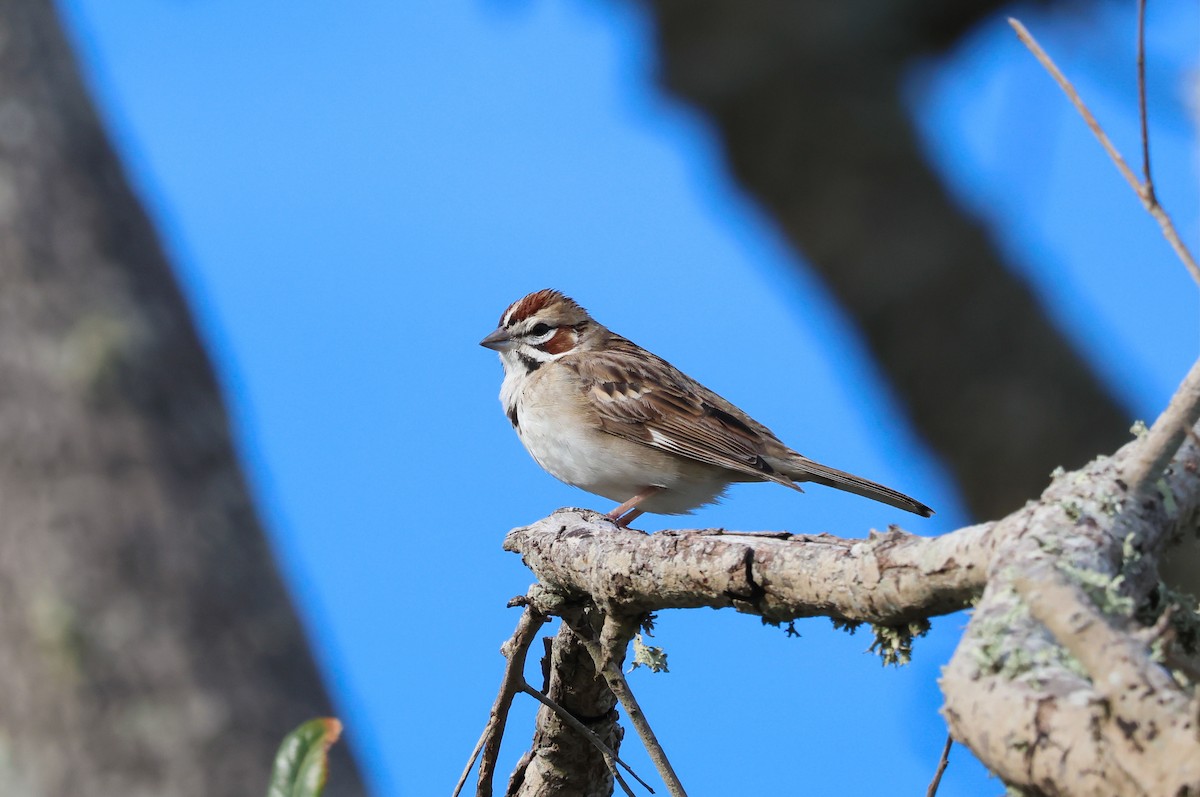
pixel 650 656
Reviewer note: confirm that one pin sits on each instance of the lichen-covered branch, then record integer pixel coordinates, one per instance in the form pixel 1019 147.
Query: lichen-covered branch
pixel 1027 699
pixel 1150 721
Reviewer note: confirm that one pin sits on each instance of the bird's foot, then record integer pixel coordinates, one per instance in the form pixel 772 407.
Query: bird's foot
pixel 627 512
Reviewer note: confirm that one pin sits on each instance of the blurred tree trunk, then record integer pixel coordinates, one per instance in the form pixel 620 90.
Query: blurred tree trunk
pixel 147 644
pixel 808 100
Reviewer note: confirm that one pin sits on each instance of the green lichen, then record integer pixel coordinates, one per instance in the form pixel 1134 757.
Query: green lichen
pixel 992 655
pixel 648 656
pixel 1168 496
pixel 1103 589
pixel 893 643
pixel 1050 546
pixel 997 656
pixel 1182 640
pixel 1129 552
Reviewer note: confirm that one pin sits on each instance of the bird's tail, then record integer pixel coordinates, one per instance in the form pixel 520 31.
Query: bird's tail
pixel 806 470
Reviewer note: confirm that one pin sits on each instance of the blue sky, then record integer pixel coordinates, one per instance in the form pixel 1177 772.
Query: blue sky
pixel 352 194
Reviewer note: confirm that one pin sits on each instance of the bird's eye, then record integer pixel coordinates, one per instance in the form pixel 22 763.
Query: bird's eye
pixel 539 330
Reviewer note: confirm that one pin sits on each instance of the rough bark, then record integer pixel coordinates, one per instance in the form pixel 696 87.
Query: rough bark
pixel 147 645
pixel 1079 699
pixel 808 100
pixel 560 762
pixel 888 579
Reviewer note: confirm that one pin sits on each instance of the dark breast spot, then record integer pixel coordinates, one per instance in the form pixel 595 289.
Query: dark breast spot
pixel 512 417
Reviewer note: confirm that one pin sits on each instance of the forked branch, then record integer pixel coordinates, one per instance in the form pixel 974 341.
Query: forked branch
pixel 1145 191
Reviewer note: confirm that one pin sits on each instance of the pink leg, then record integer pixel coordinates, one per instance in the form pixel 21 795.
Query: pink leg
pixel 629 517
pixel 627 511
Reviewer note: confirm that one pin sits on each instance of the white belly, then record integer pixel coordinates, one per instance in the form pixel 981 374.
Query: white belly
pixel 552 428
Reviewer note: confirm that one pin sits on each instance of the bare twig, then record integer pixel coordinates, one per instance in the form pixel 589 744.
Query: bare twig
pixel 1141 80
pixel 610 756
pixel 515 650
pixel 1165 436
pixel 943 762
pixel 1182 413
pixel 620 780
pixel 615 634
pixel 620 687
pixel 470 762
pixel 1144 192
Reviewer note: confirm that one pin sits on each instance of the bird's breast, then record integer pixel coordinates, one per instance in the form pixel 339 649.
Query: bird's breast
pixel 559 429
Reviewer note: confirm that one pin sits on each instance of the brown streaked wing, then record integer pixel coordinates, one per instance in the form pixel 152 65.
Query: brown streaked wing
pixel 643 398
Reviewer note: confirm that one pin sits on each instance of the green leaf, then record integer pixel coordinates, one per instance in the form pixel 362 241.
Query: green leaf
pixel 301 765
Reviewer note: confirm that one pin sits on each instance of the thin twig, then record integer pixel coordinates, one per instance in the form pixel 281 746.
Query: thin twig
pixel 515 650
pixel 1165 436
pixel 620 687
pixel 943 762
pixel 615 633
pixel 620 780
pixel 1152 207
pixel 1141 81
pixel 471 763
pixel 587 732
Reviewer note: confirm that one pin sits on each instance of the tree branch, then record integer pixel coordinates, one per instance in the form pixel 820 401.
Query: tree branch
pixel 888 579
pixel 1145 191
pixel 610 756
pixel 1167 434
pixel 1150 723
pixel 514 650
pixel 561 760
pixel 608 652
pixel 1041 707
pixel 943 762
pixel 1037 696
pixel 1147 179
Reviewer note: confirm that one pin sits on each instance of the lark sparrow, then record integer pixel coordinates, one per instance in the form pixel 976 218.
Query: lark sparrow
pixel 599 412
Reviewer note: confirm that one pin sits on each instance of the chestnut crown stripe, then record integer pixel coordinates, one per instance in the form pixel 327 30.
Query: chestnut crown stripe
pixel 530 305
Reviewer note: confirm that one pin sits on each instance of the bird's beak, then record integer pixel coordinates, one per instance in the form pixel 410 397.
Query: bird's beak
pixel 499 340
